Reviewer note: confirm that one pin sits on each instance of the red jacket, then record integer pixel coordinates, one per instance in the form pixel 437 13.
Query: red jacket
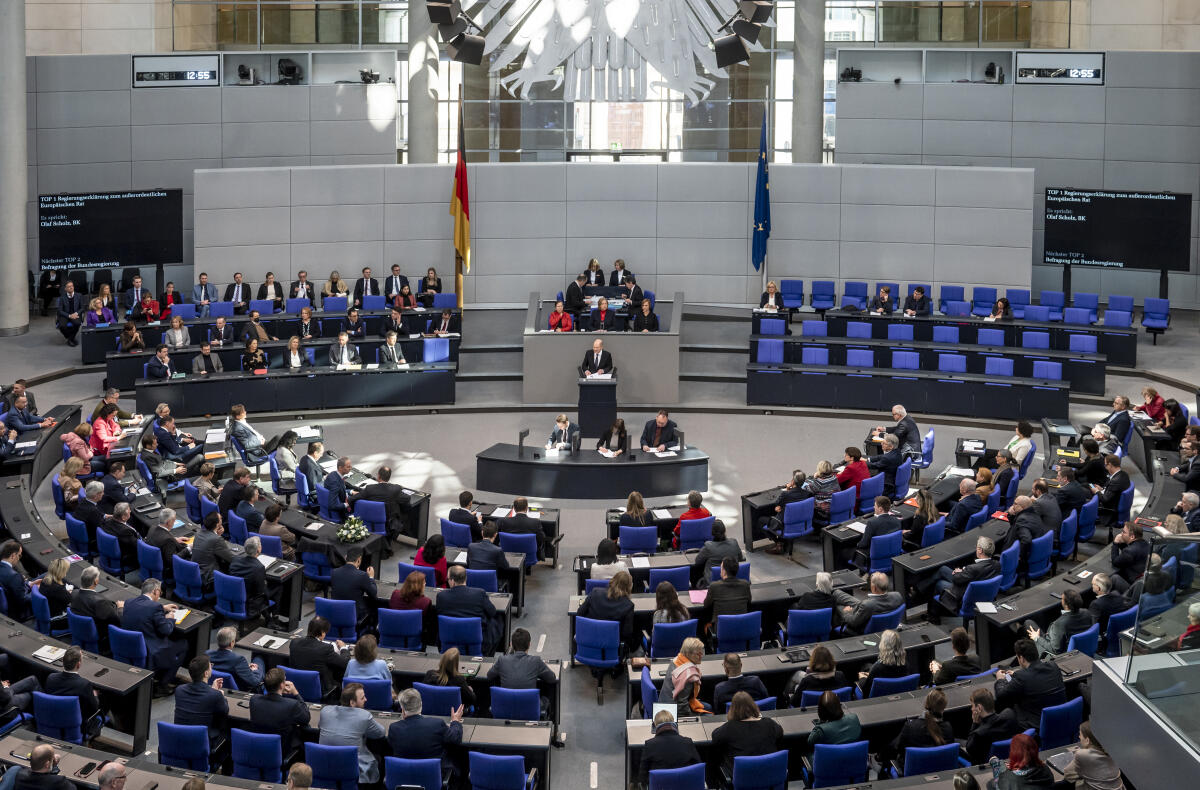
pixel 166 302
pixel 560 322
pixel 690 513
pixel 105 433
pixel 439 567
pixel 853 474
pixel 1154 408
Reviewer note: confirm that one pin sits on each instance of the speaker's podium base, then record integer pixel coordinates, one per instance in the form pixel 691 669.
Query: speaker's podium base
pixel 597 405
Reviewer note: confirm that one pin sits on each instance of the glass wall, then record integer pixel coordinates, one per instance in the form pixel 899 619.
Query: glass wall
pixel 545 125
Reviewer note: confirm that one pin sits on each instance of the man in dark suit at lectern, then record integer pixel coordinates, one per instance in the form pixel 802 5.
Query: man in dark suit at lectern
pixel 596 361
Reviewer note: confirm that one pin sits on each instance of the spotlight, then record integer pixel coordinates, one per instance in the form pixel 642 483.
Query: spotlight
pixel 444 12
pixel 730 50
pixel 757 11
pixel 450 32
pixel 466 48
pixel 746 30
pixel 290 72
pixel 368 76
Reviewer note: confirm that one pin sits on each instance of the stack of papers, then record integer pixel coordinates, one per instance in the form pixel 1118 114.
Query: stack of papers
pixel 640 562
pixel 601 376
pixel 858 527
pixel 179 614
pixel 661 512
pixel 23 445
pixel 306 431
pixel 271 642
pixel 266 560
pixel 667 454
pixel 959 471
pixel 329 465
pixel 502 512
pixel 313 526
pixel 461 558
pixel 552 452
pixel 972 446
pixel 607 453
pixel 49 653
pixel 984 607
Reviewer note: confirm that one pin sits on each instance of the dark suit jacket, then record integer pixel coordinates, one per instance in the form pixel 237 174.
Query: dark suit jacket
pixel 462 516
pixel 563 435
pixel 246 294
pixel 726 596
pixel 1049 512
pixel 887 463
pixel 522 524
pixel 815 599
pixel 667 437
pixel 155 369
pixel 275 292
pixel 876 526
pixel 856 619
pixel 1030 690
pixel 955 667
pixel 918 306
pixel 1129 561
pixel 335 353
pixel 390 288
pixel 1022 529
pixel 89 603
pixel 211 552
pixel 321 657
pixel 1092 472
pixel 358 289
pixel 388 325
pixel 348 583
pixel 312 471
pixel 463 601
pixel 1003 480
pixel 453 323
pixel 642 321
pixel 127 538
pixel 589 362
pixel 1110 496
pixel 880 304
pixel 296 291
pixel 92 516
pixel 114 492
pixel 520 671
pixel 276 714
pixel 484 555
pixel 1106 606
pixel 612 277
pixel 16 589
pixel 162 540
pixel 997 727
pixel 423 737
pixel 976 571
pixel 1189 474
pixel 394 500
pixel 199 703
pixel 71 684
pixel 1072 496
pixel 668 749
pixel 607 321
pixel 727 688
pixel 573 298
pixel 235 664
pixel 908 434
pixel 593 277
pixel 956 519
pixel 68 305
pixel 150 619
pixel 337 491
pixel 252 572
pixel 1119 421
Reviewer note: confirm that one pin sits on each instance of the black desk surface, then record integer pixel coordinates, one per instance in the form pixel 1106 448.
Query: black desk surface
pixel 104 673
pixel 46 442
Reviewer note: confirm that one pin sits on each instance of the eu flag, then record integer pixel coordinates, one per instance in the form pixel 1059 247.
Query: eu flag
pixel 762 202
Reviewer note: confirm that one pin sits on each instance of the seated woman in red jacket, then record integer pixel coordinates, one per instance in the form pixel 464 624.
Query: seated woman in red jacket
pixel 433 555
pixel 1152 404
pixel 855 470
pixel 169 297
pixel 560 319
pixel 147 309
pixel 695 509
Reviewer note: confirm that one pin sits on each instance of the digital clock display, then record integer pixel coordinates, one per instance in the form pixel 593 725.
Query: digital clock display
pixel 171 76
pixel 165 71
pixel 1060 73
pixel 1060 68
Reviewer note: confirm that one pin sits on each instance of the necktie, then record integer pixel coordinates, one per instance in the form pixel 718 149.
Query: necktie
pixel 657 436
pixel 137 294
pixel 237 293
pixel 597 362
pixel 366 286
pixel 445 322
pixel 396 285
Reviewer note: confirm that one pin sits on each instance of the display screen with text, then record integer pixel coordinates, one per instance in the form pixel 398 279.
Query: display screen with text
pixel 99 230
pixel 1118 229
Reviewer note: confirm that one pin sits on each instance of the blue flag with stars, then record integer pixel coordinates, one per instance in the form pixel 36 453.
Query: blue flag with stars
pixel 762 203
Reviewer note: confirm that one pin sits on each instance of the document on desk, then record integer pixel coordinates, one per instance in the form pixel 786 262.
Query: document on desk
pixel 49 653
pixel 959 471
pixel 501 512
pixel 607 453
pixel 307 432
pixel 601 376
pixel 372 366
pixel 179 614
pixel 661 513
pixel 271 642
pixel 640 562
pixel 972 446
pixel 23 445
pixel 667 454
pixel 313 526
pixel 858 527
pixel 266 560
pixel 461 558
pixel 329 466
pixel 984 607
pixel 552 452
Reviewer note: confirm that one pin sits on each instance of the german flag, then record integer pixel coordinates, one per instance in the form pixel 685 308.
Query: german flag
pixel 460 204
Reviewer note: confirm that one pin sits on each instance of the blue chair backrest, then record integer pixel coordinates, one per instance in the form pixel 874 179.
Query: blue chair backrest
pixel 952 363
pixel 666 638
pixel 1060 724
pixel 60 507
pixel 1077 315
pixel 945 334
pixel 714 572
pixel 597 642
pixel 183 746
pixel 956 308
pixel 998 366
pixel 127 646
pixel 256 756
pixel 455 534
pixel 840 764
pixel 1087 518
pixel 771 326
pixel 374 301
pixel 191 495
pixel 983 297
pixel 693 533
pixel 869 489
pixel 977 519
pixel 83 632
pixel 739 632
pixel 334 304
pixel 439 700
pixel 264 306
pixel 465 633
pixel 218 309
pixel 881 687
pixel 690 778
pixel 1155 309
pixel 333 767
pixel 272 545
pixel 1053 299
pixel 1017 297
pixel 1087 301
pixel 988 336
pixel 1010 558
pixel 435 349
pixel 1086 641
pixel 860 358
pixel 679 578
pixel 900 332
pixel 814 328
pixel 926 760
pixel 764 772
pixel 984 590
pixel 810 355
pixel 516 704
pixel 520 543
pixel 1067 533
pixel 295 304
pixel 813 696
pixel 1124 504
pixel 442 301
pixel 150 562
pixel 58 717
pixel 486 580
pixel 1040 559
pixel 1037 312
pixel 859 329
pixel 184 311
pixel 237 528
pixel 770 351
pixel 400 629
pixel 1155 604
pixel 373 514
pixel 798 518
pixel 1035 340
pixel 1116 624
pixel 378 691
pixel 854 292
pixel 189 583
pixel 1082 344
pixel 841 506
pixel 498 771
pixel 808 626
pixel 77 536
pixel 823 288
pixel 41 611
pixel 231 595
pixel 594 584
pixel 906 360
pixel 949 293
pixel 933 533
pixel 882 621
pixel 1118 318
pixel 1120 302
pixel 406 568
pixel 425 774
pixel 649 693
pixel 883 548
pixel 342 617
pixel 306 681
pixel 110 553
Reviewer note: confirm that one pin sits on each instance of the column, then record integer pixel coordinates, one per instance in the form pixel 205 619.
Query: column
pixel 808 81
pixel 14 173
pixel 422 84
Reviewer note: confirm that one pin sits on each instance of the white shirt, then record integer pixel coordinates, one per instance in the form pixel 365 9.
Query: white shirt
pixel 295 361
pixel 395 283
pixel 346 354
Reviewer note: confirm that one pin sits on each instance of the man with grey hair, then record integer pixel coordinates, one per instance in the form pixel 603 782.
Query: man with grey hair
pixel 147 616
pixel 86 602
pixel 888 462
pixel 952 584
pixel 254 574
pixel 117 525
pixel 417 737
pixel 159 536
pixel 88 510
pixel 905 430
pixel 113 395
pixel 1189 508
pixel 969 503
pixel 247 675
pixel 821 597
pixel 1024 525
pixel 856 613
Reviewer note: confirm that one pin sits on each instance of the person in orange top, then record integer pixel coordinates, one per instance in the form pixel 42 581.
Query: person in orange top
pixel 855 470
pixel 695 509
pixel 682 683
pixel 560 320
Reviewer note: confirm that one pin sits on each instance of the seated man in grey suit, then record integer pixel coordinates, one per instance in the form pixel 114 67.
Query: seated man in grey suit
pixel 520 670
pixel 343 352
pixel 856 613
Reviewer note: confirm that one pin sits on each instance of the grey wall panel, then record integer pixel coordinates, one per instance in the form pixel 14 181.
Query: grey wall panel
pixel 416 183
pixel 965 161
pixel 893 262
pixel 879 100
pixel 821 185
pixel 987 226
pixel 31 100
pixel 529 257
pixel 508 181
pixel 249 188
pixel 879 136
pixel 353 159
pixel 498 288
pixel 1160 176
pixel 264 139
pixel 71 146
pixel 1170 106
pixel 953 102
pixel 610 218
pixel 337 186
pixel 95 177
pixel 264 161
pixel 343 137
pixel 1039 213
pixel 515 220
pixel 887 223
pixel 221 262
pixel 348 257
pixel 713 290
pixel 889 186
pixel 703 256
pixel 243 226
pixel 616 181
pixel 879 159
pixel 1059 103
pixel 1039 247
pixel 984 187
pixel 967 138
pixel 704 182
pixel 83 72
pixel 1152 143
pixel 179 141
pixel 175 105
pixel 403 221
pixel 807 260
pixel 172 174
pixel 264 103
pixel 805 220
pixel 980 265
pixel 702 220
pixel 337 223
pixel 1058 140
pixel 82 108
pixel 352 102
pixel 1082 173
pixel 1149 69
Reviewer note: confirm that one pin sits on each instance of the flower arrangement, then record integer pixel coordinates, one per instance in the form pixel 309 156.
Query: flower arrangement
pixel 352 530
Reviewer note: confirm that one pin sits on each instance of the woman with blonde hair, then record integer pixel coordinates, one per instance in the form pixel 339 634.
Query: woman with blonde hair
pixel 447 674
pixel 334 286
pixel 772 300
pixel 99 314
pixel 614 603
pixel 68 480
pixel 593 274
pixel 822 485
pixel 54 587
pixel 177 336
pixel 926 514
pixel 78 442
pixel 636 514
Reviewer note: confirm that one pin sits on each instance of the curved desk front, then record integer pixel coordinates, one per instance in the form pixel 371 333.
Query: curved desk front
pixel 589 475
